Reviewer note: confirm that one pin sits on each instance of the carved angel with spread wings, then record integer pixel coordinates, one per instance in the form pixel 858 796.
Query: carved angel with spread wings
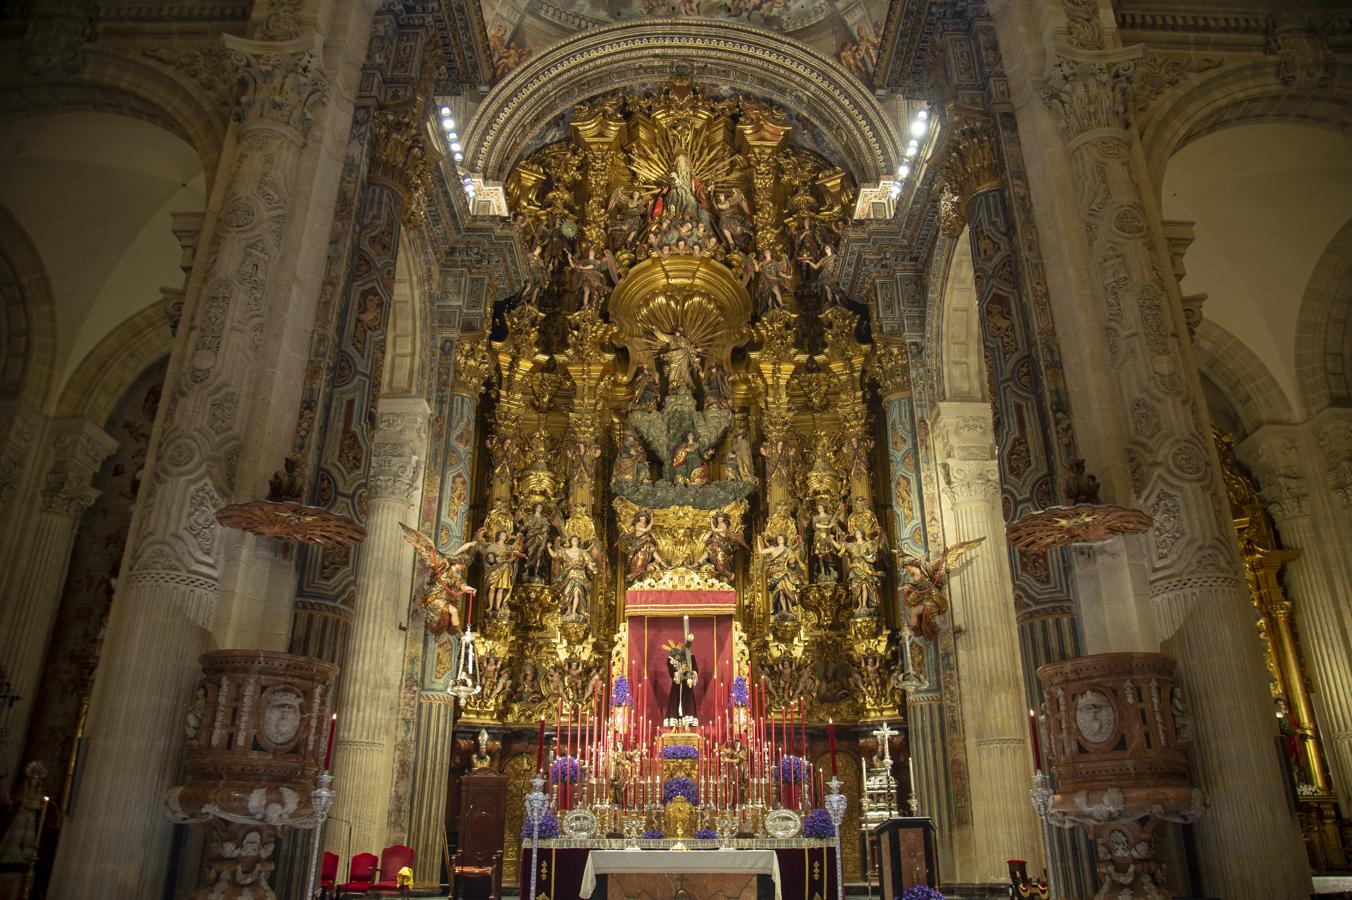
pixel 440 603
pixel 924 592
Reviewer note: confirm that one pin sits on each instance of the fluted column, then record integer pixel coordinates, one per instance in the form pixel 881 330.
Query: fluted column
pixel 1279 457
pixel 75 450
pixel 160 621
pixel 436 711
pixel 1200 599
pixel 1333 435
pixel 368 687
pixel 987 639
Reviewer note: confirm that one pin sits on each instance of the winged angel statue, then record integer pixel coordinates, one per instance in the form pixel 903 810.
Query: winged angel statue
pixel 440 605
pixel 924 592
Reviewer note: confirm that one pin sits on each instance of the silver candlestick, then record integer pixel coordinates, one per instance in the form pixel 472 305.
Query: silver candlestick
pixel 537 804
pixel 322 798
pixel 835 803
pixel 1041 795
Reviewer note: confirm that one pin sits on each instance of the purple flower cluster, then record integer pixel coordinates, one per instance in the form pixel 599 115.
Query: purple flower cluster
pixel 706 834
pixel 738 694
pixel 817 824
pixel 792 770
pixel 620 694
pixel 922 892
pixel 652 834
pixel 549 825
pixel 680 786
pixel 565 770
pixel 680 751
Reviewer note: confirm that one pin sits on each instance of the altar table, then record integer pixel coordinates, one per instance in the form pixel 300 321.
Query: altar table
pixel 680 862
pixel 807 868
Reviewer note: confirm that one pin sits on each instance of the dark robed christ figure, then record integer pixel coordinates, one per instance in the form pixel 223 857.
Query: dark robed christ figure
pixel 684 675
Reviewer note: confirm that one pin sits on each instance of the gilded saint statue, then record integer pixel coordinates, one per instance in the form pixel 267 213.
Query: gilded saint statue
pixel 577 566
pixel 681 358
pixel 784 579
pixel 640 548
pixel 860 553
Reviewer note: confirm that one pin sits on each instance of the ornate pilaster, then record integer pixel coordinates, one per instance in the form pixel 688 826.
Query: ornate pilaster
pixel 432 752
pixel 1280 461
pixel 1199 599
pixel 775 362
pixel 762 139
pixel 167 592
pixel 600 135
pixel 987 641
pixel 368 691
pixel 76 448
pixel 970 163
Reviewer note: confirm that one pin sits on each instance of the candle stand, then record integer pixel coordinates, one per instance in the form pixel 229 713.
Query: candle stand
pixel 1041 795
pixel 322 800
pixel 537 804
pixel 835 803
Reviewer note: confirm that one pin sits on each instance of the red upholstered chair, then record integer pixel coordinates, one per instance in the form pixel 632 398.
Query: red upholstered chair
pixel 328 874
pixel 392 859
pixel 361 874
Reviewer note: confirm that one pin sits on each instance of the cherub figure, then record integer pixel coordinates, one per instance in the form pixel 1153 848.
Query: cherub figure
pixel 441 603
pixel 626 208
pixel 537 275
pixel 924 591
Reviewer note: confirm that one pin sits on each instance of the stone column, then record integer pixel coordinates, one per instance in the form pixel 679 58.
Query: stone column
pixel 1248 845
pixel 1279 457
pixel 1333 435
pixel 76 448
pixel 436 711
pixel 118 838
pixel 987 638
pixel 368 687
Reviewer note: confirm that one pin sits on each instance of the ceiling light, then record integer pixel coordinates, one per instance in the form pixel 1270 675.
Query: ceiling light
pixel 455 146
pixel 903 171
pixel 919 127
pixel 460 157
pixel 446 111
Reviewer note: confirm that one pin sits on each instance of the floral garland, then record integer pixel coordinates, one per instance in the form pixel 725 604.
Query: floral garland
pixel 739 694
pixel 792 770
pixel 817 824
pixel 549 825
pixel 565 770
pixel 620 695
pixel 680 786
pixel 680 751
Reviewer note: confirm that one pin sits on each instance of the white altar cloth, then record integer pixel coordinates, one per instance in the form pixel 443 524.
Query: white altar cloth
pixel 607 862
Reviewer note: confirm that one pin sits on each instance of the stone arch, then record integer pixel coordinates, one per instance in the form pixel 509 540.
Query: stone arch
pixel 1247 386
pixel 958 347
pixel 193 107
pixel 116 362
pixel 1239 95
pixel 644 51
pixel 27 317
pixel 1323 351
pixel 404 334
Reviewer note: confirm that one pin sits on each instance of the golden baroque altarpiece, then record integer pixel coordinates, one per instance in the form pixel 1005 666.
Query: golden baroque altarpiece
pixel 681 393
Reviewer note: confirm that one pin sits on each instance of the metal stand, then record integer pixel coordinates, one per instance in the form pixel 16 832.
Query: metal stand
pixel 1041 796
pixel 537 803
pixel 835 803
pixel 322 798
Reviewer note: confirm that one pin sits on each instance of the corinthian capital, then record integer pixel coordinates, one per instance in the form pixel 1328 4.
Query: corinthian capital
pixel 971 158
pixel 1089 93
pixel 1275 457
pixel 473 365
pixel 1334 432
pixel 78 448
pixel 399 438
pixel 280 83
pixel 890 367
pixel 971 481
pixel 398 157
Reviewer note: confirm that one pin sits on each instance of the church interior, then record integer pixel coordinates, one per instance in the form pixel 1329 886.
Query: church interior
pixel 676 449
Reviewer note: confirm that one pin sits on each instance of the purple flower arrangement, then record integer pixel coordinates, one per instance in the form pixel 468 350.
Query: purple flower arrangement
pixel 922 892
pixel 549 825
pixel 620 694
pixel 680 786
pixel 817 824
pixel 565 770
pixel 792 770
pixel 738 694
pixel 706 834
pixel 680 751
pixel 652 834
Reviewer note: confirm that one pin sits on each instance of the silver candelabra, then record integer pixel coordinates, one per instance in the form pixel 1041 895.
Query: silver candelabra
pixel 835 803
pixel 322 798
pixel 1041 795
pixel 537 804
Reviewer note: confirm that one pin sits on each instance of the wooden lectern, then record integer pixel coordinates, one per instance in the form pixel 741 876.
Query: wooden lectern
pixel 906 855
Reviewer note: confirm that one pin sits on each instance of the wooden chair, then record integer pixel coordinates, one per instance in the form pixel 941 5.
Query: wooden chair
pixel 463 869
pixel 478 858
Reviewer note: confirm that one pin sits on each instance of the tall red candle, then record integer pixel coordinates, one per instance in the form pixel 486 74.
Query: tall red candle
pixel 1037 746
pixel 540 747
pixel 328 751
pixel 802 719
pixel 831 739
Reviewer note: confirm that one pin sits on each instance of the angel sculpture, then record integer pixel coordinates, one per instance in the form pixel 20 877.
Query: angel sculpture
pixel 439 604
pixel 720 547
pixel 773 280
pixel 627 207
pixel 734 217
pixel 861 553
pixel 537 275
pixel 827 524
pixel 593 276
pixel 825 267
pixel 502 554
pixel 640 548
pixel 924 591
pixel 577 566
pixel 783 574
pixel 537 527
